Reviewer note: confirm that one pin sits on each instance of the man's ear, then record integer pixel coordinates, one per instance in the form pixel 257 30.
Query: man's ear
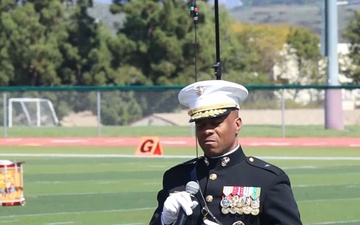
pixel 238 123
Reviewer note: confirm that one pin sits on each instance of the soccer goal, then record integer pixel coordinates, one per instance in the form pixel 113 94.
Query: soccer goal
pixel 31 112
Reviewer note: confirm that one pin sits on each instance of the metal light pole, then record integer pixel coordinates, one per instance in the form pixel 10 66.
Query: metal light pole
pixel 333 97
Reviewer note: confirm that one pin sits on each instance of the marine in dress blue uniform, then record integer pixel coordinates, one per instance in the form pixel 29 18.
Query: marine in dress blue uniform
pixel 235 189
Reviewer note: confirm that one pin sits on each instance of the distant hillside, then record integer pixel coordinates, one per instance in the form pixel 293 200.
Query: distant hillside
pixel 296 15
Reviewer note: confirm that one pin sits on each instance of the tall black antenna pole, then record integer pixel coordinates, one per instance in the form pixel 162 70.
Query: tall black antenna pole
pixel 217 66
pixel 194 12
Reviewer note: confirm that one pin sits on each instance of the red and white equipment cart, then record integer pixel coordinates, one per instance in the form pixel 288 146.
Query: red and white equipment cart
pixel 11 183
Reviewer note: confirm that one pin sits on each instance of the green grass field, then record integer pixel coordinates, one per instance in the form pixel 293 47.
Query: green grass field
pixel 177 131
pixel 122 190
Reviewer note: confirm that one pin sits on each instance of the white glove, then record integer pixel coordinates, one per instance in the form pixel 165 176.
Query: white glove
pixel 208 222
pixel 174 203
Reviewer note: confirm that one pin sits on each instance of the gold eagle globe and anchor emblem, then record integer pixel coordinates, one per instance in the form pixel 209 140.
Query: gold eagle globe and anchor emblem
pixel 200 90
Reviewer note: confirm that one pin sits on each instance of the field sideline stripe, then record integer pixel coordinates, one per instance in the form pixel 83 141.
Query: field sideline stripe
pixel 58 223
pixel 335 199
pixel 177 141
pixel 127 223
pixel 8 221
pixel 69 194
pixel 78 212
pixel 334 222
pixel 141 209
pixel 171 156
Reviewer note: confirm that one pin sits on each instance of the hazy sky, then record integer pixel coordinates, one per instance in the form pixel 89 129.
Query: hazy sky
pixel 229 3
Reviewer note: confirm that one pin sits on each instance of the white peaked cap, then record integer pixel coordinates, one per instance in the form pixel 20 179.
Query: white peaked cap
pixel 211 98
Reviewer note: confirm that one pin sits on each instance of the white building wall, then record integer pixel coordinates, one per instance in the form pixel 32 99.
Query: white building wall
pixel 289 69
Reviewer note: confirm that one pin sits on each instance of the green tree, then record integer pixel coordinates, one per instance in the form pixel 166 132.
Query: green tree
pixel 120 108
pixel 261 51
pixel 261 45
pixel 303 46
pixel 352 34
pixel 31 33
pixel 85 51
pixel 160 39
pixel 306 63
pixel 47 42
pixel 24 46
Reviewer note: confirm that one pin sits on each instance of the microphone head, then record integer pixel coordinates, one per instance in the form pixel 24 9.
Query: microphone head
pixel 192 187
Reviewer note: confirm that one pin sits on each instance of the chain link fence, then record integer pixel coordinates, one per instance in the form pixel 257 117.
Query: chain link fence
pixel 90 111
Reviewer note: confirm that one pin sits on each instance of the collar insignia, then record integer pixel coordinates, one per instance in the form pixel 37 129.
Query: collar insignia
pixel 225 161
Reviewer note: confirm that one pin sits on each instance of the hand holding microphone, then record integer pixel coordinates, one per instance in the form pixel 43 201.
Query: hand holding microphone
pixel 179 205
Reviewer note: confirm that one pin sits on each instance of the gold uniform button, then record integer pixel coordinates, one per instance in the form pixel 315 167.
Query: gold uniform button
pixel 251 159
pixel 209 198
pixel 213 176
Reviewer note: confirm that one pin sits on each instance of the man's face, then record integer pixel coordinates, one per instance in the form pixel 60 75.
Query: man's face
pixel 217 136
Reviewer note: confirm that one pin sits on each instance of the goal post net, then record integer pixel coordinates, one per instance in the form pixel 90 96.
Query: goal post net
pixel 31 112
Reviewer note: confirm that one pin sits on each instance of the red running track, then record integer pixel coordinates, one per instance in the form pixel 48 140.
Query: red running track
pixel 176 141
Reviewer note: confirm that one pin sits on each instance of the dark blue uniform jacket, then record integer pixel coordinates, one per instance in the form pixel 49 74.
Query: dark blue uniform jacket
pixel 272 204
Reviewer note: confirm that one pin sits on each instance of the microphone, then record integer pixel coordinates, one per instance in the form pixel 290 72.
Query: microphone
pixel 192 188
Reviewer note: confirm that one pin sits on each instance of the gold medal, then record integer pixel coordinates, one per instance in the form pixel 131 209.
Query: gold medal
pixel 232 210
pixel 225 210
pixel 247 209
pixel 241 202
pixel 234 201
pixel 236 198
pixel 255 211
pixel 255 204
pixel 240 211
